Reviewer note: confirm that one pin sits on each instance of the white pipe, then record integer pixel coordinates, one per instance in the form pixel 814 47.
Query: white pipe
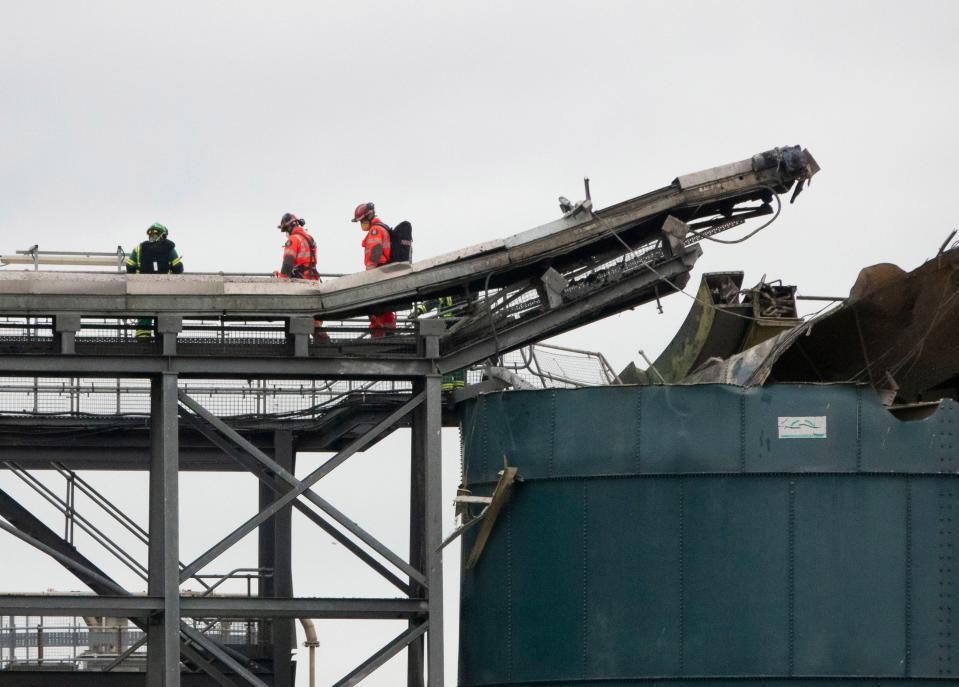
pixel 311 643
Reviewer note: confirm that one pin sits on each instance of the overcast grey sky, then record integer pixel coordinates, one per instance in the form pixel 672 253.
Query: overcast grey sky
pixel 469 120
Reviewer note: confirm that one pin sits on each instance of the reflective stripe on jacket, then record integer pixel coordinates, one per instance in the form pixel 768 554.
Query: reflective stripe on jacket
pixel 376 245
pixel 155 257
pixel 443 305
pixel 299 256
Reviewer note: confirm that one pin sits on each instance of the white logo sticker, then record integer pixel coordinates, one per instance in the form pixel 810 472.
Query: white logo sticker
pixel 808 427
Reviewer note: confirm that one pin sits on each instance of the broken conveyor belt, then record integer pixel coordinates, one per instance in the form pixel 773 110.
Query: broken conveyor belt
pixel 514 291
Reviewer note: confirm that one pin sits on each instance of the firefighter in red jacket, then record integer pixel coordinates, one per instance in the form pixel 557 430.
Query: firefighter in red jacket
pixel 299 259
pixel 376 252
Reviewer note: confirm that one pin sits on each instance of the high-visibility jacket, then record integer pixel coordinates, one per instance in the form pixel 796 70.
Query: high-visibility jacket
pixel 376 244
pixel 444 308
pixel 299 256
pixel 443 305
pixel 155 257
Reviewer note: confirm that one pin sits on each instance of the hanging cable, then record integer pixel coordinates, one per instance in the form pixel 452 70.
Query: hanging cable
pixel 670 283
pixel 729 242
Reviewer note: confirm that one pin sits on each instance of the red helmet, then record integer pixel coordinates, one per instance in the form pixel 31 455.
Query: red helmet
pixel 363 211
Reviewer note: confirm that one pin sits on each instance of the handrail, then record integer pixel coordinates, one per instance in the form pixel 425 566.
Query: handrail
pixel 95 533
pixel 36 257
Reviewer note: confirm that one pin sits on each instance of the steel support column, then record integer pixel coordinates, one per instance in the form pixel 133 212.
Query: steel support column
pixel 163 631
pixel 415 654
pixel 428 424
pixel 276 553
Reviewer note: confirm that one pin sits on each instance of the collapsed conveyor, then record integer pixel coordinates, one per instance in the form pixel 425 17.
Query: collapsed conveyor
pixel 580 268
pixel 514 291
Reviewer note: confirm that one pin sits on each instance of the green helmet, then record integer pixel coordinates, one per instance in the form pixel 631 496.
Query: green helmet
pixel 157 230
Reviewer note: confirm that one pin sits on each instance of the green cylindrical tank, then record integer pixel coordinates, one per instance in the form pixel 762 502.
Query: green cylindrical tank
pixel 680 535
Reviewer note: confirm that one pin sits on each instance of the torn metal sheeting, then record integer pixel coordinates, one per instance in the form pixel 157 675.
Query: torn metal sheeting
pixel 898 332
pixel 725 319
pixel 894 325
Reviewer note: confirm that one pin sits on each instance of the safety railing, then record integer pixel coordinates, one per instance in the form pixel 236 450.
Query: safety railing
pixel 38 259
pixel 198 331
pixel 542 365
pixel 240 399
pixel 66 506
pixel 35 257
pixel 546 366
pixel 64 643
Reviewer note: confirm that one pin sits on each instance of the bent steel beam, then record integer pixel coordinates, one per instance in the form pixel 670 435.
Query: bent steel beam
pixel 627 293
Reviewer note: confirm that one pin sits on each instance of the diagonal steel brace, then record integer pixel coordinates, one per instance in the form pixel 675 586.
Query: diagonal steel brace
pixel 95 578
pixel 220 654
pixel 303 487
pixel 392 648
pixel 261 473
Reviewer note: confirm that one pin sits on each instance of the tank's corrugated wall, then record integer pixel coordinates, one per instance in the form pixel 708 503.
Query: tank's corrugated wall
pixel 663 533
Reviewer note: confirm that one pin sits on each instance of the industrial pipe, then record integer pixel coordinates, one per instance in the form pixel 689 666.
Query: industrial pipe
pixel 311 643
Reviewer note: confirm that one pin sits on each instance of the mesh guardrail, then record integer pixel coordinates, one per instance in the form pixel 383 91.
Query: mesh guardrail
pixel 306 399
pixel 32 643
pixel 548 366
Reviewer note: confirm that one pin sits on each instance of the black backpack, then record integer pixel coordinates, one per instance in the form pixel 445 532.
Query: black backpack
pixel 401 242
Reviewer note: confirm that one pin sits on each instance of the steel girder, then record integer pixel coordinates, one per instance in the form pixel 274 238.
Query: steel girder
pixel 214 607
pixel 122 366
